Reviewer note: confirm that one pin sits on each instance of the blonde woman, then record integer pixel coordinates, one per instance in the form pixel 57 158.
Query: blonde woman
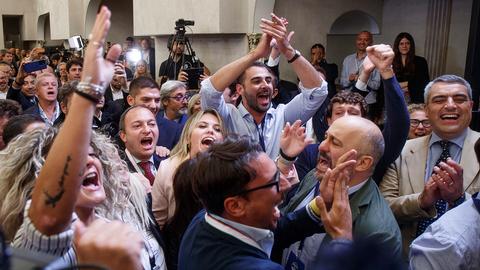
pixel 200 131
pixel 77 177
pixel 141 70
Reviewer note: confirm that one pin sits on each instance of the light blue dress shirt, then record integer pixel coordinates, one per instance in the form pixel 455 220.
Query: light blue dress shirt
pixel 451 242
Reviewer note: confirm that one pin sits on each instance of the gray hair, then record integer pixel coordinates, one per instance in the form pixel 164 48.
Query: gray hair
pixel 168 87
pixel 448 78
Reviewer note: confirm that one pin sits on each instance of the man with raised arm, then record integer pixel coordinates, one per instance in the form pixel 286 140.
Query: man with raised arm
pixel 254 116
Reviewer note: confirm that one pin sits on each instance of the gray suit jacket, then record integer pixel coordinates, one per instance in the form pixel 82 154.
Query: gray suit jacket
pixel 404 181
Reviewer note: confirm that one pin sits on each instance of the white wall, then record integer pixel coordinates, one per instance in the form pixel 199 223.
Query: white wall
pixel 312 20
pixel 229 20
pixel 458 37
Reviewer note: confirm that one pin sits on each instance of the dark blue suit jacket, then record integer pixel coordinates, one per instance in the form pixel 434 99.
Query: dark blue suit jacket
pixel 169 132
pixel 205 247
pixel 18 96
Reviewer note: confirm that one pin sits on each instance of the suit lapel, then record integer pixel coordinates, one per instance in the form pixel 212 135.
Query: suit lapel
pixel 468 161
pixel 416 161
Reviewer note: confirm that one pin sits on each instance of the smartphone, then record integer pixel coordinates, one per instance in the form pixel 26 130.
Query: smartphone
pixel 35 66
pixel 193 77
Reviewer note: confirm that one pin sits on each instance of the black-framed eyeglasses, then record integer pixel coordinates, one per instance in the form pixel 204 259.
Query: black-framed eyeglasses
pixel 416 122
pixel 180 97
pixel 275 181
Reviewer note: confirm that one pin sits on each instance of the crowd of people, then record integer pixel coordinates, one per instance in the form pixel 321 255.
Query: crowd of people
pixel 105 163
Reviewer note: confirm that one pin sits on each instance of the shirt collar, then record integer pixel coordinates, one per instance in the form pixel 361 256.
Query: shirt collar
pixel 457 141
pixel 259 238
pixel 357 187
pixel 138 160
pixel 243 111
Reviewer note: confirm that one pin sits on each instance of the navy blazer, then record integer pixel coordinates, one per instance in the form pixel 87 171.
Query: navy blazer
pixel 205 247
pixel 18 96
pixel 169 132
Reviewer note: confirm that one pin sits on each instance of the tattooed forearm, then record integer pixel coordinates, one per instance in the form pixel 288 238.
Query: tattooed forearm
pixel 54 199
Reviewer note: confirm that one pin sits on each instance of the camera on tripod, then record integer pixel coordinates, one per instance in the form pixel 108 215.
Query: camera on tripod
pixel 183 59
pixel 180 27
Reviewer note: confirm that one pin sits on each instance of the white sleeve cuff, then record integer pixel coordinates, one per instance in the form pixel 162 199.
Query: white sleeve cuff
pixel 361 85
pixel 273 62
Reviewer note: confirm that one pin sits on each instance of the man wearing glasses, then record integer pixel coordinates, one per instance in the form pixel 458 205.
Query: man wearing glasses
pixel 433 173
pixel 419 123
pixel 174 101
pixel 242 224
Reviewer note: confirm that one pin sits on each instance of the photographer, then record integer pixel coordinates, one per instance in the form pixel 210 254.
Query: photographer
pixel 179 62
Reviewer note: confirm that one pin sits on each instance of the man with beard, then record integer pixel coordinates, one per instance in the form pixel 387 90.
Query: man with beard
pixel 344 105
pixel 174 101
pixel 170 69
pixel 255 116
pixel 23 89
pixel 372 219
pixel 395 128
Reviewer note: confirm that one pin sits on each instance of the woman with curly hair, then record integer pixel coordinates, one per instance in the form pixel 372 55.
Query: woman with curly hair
pixel 200 131
pixel 75 176
pixel 411 70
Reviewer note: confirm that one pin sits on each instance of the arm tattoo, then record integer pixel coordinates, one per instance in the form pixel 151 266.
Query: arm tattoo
pixel 54 199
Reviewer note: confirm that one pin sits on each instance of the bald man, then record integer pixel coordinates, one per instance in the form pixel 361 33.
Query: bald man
pixel 349 137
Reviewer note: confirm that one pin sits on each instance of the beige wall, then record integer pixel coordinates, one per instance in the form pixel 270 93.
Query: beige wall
pixel 230 20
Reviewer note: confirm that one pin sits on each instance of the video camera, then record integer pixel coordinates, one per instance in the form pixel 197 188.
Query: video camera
pixel 180 27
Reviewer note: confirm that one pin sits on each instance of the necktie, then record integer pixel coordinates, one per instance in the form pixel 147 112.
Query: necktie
pixel 147 171
pixel 440 205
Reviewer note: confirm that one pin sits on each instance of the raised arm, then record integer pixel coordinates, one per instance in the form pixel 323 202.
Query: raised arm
pixel 57 186
pixel 395 131
pixel 307 74
pixel 229 73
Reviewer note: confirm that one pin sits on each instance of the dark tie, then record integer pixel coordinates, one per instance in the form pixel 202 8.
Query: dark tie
pixel 147 171
pixel 440 205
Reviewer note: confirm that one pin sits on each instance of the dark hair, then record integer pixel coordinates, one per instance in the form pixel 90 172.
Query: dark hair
pixel 224 170
pixel 317 45
pixel 347 97
pixel 17 124
pixel 65 92
pixel 398 67
pixel 142 82
pixel 9 108
pixel 187 205
pixel 55 56
pixel 255 64
pixel 74 61
pixel 121 123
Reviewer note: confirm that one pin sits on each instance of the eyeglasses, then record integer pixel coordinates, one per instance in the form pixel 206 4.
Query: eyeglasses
pixel 275 181
pixel 416 122
pixel 180 97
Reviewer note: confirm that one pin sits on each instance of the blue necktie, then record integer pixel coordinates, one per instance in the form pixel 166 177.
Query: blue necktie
pixel 440 205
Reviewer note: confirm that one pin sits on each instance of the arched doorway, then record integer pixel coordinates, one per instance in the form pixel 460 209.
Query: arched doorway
pixel 342 34
pixel 122 18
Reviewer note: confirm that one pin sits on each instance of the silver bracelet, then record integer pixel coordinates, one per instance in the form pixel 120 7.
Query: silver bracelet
pixel 94 91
